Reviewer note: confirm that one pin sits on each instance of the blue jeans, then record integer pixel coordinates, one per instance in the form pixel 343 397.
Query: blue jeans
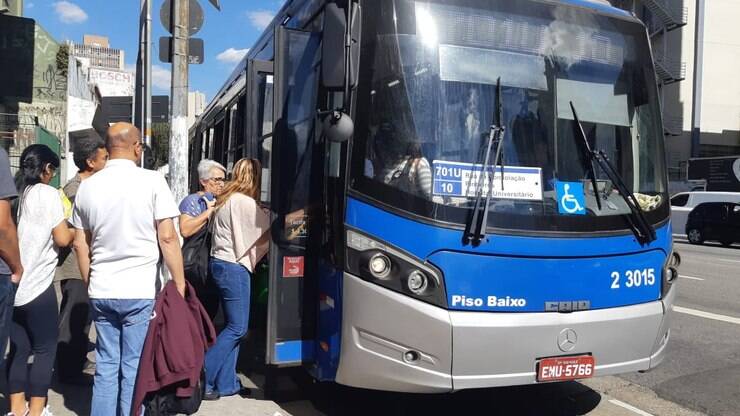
pixel 7 298
pixel 233 281
pixel 121 326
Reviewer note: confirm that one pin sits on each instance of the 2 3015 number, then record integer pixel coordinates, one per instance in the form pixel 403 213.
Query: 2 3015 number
pixel 634 278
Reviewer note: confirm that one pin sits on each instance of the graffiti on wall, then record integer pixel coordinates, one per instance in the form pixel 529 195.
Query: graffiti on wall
pixel 50 115
pixel 49 81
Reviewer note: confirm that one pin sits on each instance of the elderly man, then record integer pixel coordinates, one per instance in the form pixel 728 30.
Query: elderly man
pixel 195 211
pixel 123 217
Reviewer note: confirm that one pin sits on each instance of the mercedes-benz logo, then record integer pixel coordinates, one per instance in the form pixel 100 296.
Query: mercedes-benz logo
pixel 567 340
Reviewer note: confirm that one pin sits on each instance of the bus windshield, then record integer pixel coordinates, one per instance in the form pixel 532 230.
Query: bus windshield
pixel 428 98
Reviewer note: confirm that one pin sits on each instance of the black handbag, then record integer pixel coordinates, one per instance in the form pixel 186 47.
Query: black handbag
pixel 195 253
pixel 166 403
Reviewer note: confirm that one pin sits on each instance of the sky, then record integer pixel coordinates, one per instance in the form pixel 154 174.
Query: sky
pixel 227 34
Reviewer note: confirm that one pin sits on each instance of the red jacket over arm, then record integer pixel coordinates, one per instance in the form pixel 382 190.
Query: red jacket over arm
pixel 179 334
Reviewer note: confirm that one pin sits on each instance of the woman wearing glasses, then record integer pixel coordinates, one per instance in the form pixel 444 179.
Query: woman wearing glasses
pixel 195 212
pixel 42 230
pixel 196 209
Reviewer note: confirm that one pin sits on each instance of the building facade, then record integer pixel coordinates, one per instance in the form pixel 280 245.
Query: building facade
pixel 196 105
pixel 676 42
pixel 11 7
pixel 98 51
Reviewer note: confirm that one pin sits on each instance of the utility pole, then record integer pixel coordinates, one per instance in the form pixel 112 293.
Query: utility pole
pixel 698 77
pixel 178 160
pixel 143 100
pixel 148 78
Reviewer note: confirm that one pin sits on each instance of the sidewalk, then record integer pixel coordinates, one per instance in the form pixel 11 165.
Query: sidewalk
pixel 67 400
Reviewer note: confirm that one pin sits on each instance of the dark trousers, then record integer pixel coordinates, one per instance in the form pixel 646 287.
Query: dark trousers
pixel 74 329
pixel 7 297
pixel 34 332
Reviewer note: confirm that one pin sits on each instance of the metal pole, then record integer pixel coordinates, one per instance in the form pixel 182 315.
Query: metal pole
pixel 147 132
pixel 178 160
pixel 698 75
pixel 139 115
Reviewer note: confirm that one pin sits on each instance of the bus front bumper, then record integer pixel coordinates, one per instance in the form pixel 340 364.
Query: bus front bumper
pixel 463 350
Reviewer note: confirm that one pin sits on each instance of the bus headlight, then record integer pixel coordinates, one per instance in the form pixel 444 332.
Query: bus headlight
pixel 670 272
pixel 417 282
pixel 390 267
pixel 379 265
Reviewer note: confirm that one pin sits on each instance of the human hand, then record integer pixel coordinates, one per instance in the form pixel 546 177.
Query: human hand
pixel 181 287
pixel 15 275
pixel 210 203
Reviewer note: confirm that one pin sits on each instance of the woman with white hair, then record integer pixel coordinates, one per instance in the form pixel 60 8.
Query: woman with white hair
pixel 195 212
pixel 196 208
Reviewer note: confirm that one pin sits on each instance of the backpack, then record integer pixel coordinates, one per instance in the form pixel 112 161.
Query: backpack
pixel 196 251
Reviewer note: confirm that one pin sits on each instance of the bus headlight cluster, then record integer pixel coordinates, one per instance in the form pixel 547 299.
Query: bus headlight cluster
pixel 380 263
pixel 670 271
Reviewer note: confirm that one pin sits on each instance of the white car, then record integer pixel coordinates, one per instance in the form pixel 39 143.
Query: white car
pixel 684 202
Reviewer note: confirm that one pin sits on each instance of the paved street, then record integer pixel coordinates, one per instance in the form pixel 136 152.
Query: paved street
pixel 701 373
pixel 702 368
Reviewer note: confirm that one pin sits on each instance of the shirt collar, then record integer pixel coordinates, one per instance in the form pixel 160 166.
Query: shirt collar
pixel 120 163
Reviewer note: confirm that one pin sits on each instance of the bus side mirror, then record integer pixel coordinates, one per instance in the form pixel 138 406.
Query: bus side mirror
pixel 338 126
pixel 334 47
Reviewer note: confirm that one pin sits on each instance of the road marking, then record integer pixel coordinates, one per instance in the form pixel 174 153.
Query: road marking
pixel 629 407
pixel 728 260
pixel 690 277
pixel 708 315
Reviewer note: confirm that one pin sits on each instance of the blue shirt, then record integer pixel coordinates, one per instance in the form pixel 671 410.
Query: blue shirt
pixel 195 204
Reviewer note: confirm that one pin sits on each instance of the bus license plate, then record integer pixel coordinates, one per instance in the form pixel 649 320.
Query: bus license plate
pixel 566 368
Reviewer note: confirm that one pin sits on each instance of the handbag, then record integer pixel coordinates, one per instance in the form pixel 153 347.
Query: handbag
pixel 196 251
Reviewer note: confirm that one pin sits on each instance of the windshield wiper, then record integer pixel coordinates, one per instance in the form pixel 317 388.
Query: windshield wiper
pixel 586 155
pixel 642 228
pixel 475 228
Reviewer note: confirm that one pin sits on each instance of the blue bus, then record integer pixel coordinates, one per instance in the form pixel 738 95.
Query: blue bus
pixel 484 187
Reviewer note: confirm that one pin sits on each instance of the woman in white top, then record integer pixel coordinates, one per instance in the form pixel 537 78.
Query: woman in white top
pixel 240 239
pixel 42 229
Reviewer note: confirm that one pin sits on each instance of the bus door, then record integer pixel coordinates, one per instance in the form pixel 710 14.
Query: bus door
pixel 296 177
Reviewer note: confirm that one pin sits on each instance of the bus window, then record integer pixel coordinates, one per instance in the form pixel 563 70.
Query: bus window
pixel 680 200
pixel 264 143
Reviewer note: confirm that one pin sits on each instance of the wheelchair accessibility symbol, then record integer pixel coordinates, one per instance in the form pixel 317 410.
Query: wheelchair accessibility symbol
pixel 571 199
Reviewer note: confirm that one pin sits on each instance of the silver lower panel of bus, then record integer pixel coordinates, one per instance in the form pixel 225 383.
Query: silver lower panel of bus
pixel 452 350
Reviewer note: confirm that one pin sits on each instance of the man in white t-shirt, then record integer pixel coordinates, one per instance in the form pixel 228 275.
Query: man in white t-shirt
pixel 123 217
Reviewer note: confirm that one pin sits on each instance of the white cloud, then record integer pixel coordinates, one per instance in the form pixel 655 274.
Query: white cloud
pixel 231 55
pixel 260 18
pixel 69 12
pixel 161 77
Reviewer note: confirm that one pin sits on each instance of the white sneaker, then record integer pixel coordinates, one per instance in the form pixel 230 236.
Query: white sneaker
pixel 47 412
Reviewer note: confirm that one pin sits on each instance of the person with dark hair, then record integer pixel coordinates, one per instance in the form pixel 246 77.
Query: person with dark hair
pixel 412 173
pixel 90 156
pixel 42 229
